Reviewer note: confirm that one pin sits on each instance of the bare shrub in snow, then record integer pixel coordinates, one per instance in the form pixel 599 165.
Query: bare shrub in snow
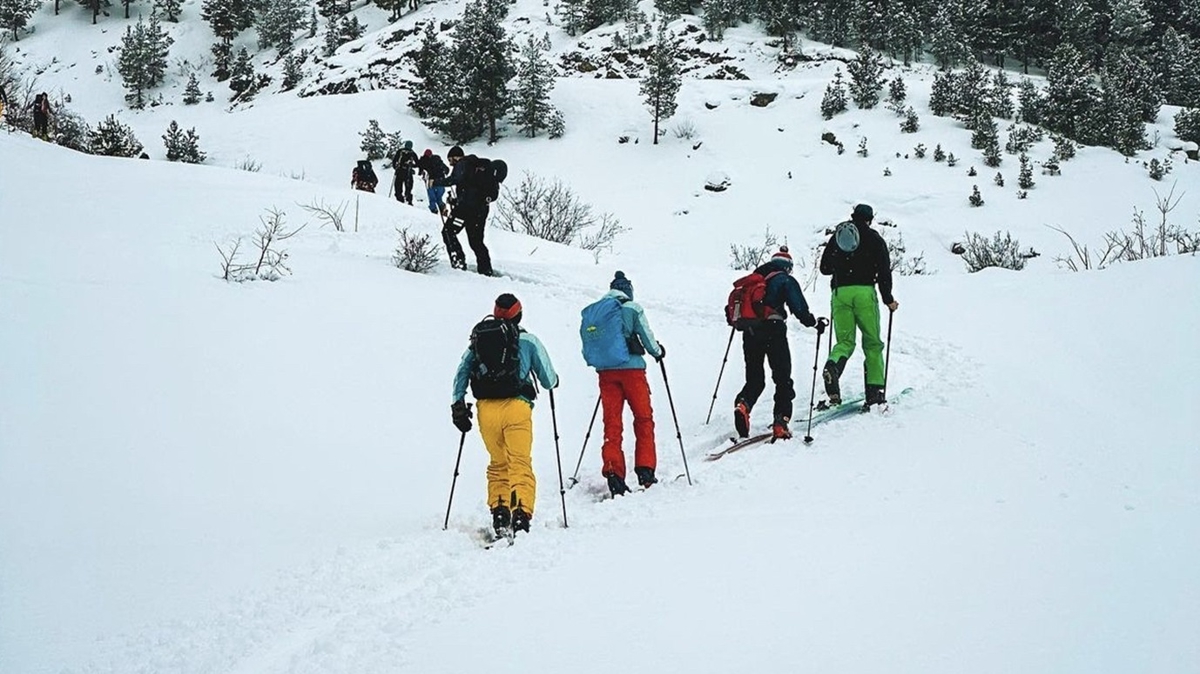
pixel 685 129
pixel 750 256
pixel 1143 242
pixel 1002 250
pixel 415 253
pixel 249 164
pixel 327 214
pixel 1082 258
pixel 550 210
pixel 269 263
pixel 902 263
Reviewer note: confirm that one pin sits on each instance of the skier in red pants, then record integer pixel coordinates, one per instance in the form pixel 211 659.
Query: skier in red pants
pixel 616 334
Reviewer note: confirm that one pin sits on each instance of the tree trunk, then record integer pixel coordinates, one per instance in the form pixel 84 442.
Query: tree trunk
pixel 126 9
pixel 656 121
pixel 492 130
pixel 55 7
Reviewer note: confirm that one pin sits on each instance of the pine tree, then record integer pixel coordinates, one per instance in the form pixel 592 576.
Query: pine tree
pixel 312 23
pixel 984 132
pixel 333 36
pixel 999 101
pixel 557 126
pixel 228 17
pixel 1032 103
pixel 871 22
pixel 780 18
pixel 973 97
pixel 897 92
pixel 181 146
pixel 999 179
pixel 941 97
pixel 911 123
pixel 191 94
pixel 1025 177
pixel 1077 29
pixel 143 59
pixel 1070 95
pixel 1129 24
pixel 905 39
pixel 1120 122
pixel 222 59
pixel 114 139
pixel 1187 125
pixel 1177 64
pixel 660 85
pixel 866 78
pixel 718 15
pixel 291 69
pixel 241 75
pixel 947 42
pixel 350 28
pixel 574 15
pixel 831 22
pixel 976 199
pixel 483 53
pixel 374 141
pixel 433 69
pixel 14 15
pixel 535 80
pixel 168 9
pixel 278 23
pixel 938 153
pixel 834 101
pixel 333 9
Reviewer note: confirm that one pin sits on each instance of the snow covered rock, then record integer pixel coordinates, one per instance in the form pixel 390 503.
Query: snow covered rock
pixel 762 99
pixel 717 181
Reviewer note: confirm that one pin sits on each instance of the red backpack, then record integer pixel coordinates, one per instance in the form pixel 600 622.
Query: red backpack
pixel 745 306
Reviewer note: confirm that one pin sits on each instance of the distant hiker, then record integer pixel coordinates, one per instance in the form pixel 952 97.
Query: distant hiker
pixel 615 335
pixel 363 176
pixel 431 168
pixel 856 256
pixel 769 293
pixel 404 161
pixel 499 365
pixel 41 116
pixel 477 184
pixel 3 99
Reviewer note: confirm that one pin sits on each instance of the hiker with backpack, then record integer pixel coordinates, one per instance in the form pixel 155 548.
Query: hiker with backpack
pixel 363 178
pixel 500 365
pixel 431 168
pixel 477 184
pixel 856 257
pixel 615 336
pixel 41 116
pixel 758 306
pixel 404 162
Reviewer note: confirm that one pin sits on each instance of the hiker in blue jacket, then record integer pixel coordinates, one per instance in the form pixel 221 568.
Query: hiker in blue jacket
pixel 624 380
pixel 767 338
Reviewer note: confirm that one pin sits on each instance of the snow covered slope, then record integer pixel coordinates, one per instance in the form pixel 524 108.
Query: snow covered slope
pixel 204 477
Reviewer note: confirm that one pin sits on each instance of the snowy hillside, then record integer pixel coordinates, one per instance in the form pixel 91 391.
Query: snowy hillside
pixel 200 477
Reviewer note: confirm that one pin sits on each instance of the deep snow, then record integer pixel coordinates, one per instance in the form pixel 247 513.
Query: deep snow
pixel 206 477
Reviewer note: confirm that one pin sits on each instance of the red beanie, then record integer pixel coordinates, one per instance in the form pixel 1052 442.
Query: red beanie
pixel 507 307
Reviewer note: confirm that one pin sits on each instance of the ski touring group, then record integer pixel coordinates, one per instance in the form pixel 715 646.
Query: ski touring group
pixel 504 364
pixel 476 182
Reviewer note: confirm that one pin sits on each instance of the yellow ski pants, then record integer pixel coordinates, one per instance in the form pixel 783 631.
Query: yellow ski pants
pixel 507 429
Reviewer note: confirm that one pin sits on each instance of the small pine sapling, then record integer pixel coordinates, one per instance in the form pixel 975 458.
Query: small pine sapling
pixel 911 122
pixel 972 172
pixel 999 179
pixel 191 94
pixel 374 141
pixel 938 153
pixel 862 147
pixel 951 160
pixel 1025 178
pixel 919 151
pixel 834 101
pixel 976 198
pixel 887 171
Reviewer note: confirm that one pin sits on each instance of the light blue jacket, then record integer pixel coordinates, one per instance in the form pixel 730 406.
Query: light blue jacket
pixel 533 360
pixel 634 324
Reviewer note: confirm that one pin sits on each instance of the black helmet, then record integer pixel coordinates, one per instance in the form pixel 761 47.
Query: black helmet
pixel 455 151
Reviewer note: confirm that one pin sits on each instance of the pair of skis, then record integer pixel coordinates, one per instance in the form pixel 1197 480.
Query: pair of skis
pixel 855 405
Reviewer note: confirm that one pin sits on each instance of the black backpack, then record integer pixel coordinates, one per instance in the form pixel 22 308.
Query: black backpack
pixel 497 372
pixel 485 176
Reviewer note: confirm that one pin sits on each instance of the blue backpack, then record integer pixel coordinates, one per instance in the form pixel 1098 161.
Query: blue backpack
pixel 602 333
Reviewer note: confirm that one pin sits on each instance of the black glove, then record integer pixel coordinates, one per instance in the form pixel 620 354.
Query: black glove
pixel 808 320
pixel 461 413
pixel 662 353
pixel 821 324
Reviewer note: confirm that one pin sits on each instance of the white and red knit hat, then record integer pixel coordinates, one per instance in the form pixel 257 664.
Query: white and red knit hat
pixel 784 255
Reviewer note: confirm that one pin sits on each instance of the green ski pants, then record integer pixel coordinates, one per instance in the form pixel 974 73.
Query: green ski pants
pixel 858 306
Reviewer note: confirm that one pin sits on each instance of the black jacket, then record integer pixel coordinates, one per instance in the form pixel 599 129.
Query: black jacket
pixel 467 192
pixel 868 265
pixel 404 160
pixel 432 166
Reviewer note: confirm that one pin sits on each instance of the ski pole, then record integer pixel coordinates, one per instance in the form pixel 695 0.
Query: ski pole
pixel 575 478
pixel 461 442
pixel 678 434
pixel 562 492
pixel 719 375
pixel 887 359
pixel 812 394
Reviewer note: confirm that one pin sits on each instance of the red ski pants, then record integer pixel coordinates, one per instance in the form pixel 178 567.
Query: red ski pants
pixel 616 388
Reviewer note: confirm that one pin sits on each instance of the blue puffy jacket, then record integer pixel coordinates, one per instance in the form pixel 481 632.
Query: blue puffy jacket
pixel 634 326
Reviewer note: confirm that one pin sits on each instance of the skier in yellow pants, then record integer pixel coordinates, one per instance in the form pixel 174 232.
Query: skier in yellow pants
pixel 500 367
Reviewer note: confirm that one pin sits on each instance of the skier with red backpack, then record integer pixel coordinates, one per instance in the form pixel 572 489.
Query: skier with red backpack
pixel 615 335
pixel 500 366
pixel 758 306
pixel 477 184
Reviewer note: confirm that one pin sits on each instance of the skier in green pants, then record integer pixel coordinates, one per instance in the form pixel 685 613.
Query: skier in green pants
pixel 857 259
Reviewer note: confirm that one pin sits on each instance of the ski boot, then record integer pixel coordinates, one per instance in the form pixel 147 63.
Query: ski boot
pixel 831 374
pixel 502 521
pixel 616 485
pixel 875 396
pixel 645 477
pixel 741 419
pixel 520 520
pixel 779 430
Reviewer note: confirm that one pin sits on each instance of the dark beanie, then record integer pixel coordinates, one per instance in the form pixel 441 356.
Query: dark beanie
pixel 862 213
pixel 509 307
pixel 455 151
pixel 621 283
